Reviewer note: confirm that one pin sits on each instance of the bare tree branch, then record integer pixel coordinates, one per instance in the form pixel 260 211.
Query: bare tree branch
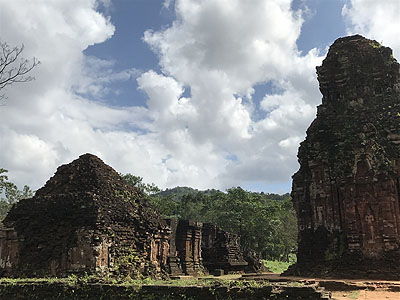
pixel 13 68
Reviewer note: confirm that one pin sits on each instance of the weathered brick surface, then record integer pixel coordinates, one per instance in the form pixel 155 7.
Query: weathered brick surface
pixel 221 250
pixel 85 219
pixel 346 192
pixel 197 247
pixel 188 237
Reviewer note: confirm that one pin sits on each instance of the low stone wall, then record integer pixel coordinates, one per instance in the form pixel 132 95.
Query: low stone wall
pixel 48 291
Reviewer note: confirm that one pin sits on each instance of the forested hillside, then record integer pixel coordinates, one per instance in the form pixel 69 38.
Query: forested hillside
pixel 179 192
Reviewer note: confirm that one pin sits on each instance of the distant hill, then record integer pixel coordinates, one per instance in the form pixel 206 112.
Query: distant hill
pixel 178 192
pixel 273 196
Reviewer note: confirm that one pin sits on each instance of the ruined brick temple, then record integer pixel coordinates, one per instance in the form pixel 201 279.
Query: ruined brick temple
pixel 88 219
pixel 346 192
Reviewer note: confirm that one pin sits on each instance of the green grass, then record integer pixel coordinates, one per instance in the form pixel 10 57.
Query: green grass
pixel 73 280
pixel 276 266
pixel 354 295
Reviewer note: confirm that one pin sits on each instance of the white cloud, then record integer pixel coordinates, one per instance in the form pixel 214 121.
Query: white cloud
pixel 167 3
pixel 106 3
pixel 218 49
pixel 95 78
pixel 241 41
pixel 44 123
pixel 222 49
pixel 379 20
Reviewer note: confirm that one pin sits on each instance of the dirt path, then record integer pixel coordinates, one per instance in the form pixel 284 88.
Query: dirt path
pixel 342 289
pixel 366 295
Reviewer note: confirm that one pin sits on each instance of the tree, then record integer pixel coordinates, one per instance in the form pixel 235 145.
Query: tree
pixel 13 67
pixel 10 194
pixel 137 182
pixel 265 222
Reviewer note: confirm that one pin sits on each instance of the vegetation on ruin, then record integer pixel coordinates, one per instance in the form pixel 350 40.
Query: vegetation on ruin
pixel 265 222
pixel 127 261
pixel 375 44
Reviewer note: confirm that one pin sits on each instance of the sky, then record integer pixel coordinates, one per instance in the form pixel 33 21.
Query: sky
pixel 200 93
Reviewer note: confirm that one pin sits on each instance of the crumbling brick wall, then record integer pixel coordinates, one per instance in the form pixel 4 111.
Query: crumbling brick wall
pixel 87 219
pixel 346 192
pixel 221 250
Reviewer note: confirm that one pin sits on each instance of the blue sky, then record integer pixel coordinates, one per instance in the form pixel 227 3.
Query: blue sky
pixel 201 93
pixel 323 24
pixel 131 19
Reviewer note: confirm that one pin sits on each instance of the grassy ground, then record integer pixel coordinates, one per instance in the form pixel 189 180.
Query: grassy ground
pixel 276 266
pixel 227 280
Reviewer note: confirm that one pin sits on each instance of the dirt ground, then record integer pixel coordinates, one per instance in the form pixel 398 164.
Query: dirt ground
pixel 342 289
pixel 365 295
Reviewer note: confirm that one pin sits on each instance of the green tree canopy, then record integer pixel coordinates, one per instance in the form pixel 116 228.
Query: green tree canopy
pixel 265 222
pixel 10 194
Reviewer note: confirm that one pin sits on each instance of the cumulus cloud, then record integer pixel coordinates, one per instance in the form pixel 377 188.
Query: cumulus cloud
pixel 221 50
pixel 199 127
pixel 45 123
pixel 208 136
pixel 379 20
pixel 96 76
pixel 237 41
